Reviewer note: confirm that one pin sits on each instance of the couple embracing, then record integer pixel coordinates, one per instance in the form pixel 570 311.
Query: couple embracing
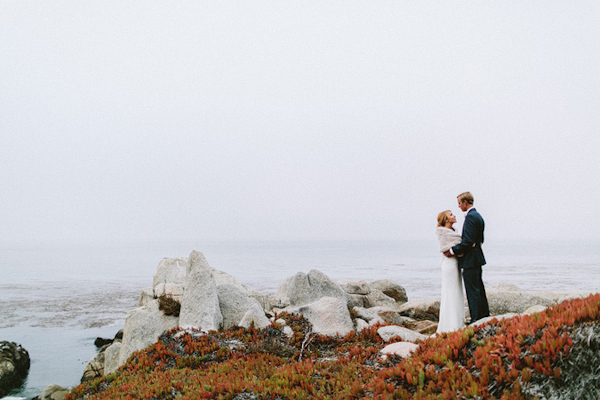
pixel 461 253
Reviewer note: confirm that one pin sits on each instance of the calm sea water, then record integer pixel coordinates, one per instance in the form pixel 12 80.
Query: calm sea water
pixel 55 300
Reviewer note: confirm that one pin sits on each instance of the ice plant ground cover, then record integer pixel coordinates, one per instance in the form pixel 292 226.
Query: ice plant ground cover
pixel 551 354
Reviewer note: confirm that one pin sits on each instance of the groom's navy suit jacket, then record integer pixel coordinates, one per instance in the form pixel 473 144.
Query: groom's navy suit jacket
pixel 469 256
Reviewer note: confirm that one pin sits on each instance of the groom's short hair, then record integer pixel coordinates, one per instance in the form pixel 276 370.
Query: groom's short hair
pixel 465 196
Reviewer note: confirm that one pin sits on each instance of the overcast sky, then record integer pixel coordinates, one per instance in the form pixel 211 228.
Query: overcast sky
pixel 167 121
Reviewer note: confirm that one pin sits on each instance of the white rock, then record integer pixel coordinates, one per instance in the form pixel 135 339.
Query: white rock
pixel 355 287
pixel 304 288
pixel 53 392
pixel 376 298
pixel 234 303
pixel 200 303
pixel 392 331
pixel 365 313
pixel 255 316
pixel 111 358
pixel 328 316
pixel 498 317
pixel 420 309
pixel 146 297
pixel 360 324
pixel 513 300
pixel 287 331
pixel 169 278
pixel 402 349
pixel 534 309
pixel 390 289
pixel 142 328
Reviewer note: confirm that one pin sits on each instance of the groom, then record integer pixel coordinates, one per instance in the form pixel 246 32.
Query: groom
pixel 470 257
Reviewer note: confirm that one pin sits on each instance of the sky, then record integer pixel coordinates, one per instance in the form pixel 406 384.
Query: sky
pixel 278 120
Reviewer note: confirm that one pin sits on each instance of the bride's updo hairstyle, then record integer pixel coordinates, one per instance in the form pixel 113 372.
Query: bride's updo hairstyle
pixel 443 218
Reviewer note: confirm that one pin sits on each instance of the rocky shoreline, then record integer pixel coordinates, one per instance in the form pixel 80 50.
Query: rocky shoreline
pixel 210 300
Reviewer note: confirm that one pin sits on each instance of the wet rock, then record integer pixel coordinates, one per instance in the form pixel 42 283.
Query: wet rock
pixel 14 366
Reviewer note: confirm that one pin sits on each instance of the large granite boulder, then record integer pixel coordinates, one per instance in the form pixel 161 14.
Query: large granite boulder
pixel 302 289
pixel 420 309
pixel 14 366
pixel 390 289
pixel 111 358
pixel 376 298
pixel 200 303
pixel 505 299
pixel 169 278
pixel 401 349
pixel 328 316
pixel 234 303
pixel 142 328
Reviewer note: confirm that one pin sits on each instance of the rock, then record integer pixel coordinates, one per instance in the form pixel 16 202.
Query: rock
pixel 200 303
pixel 53 392
pixel 420 309
pixel 142 328
pixel 101 342
pixel 357 287
pixel 360 324
pixel 392 331
pixel 146 296
pixel 365 313
pixel 425 327
pixel 534 309
pixel 402 349
pixel 234 303
pixel 94 368
pixel 287 331
pixel 356 300
pixel 378 299
pixel 388 314
pixel 328 316
pixel 302 288
pixel 111 358
pixel 505 299
pixel 390 289
pixel 255 316
pixel 14 366
pixel 223 278
pixel 261 298
pixel 169 278
pixel 490 318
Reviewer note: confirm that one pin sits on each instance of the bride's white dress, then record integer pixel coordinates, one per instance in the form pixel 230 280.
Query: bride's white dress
pixel 452 303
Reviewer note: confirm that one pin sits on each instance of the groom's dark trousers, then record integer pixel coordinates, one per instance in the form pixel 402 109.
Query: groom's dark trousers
pixel 470 261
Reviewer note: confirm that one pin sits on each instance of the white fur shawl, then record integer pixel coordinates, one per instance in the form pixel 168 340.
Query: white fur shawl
pixel 447 238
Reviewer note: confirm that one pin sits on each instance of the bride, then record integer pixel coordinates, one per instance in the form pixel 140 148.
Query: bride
pixel 452 304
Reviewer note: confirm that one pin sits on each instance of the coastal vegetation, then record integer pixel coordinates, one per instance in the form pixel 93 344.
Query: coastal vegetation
pixel 551 354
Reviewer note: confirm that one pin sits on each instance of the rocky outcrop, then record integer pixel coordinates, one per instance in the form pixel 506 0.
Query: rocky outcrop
pixel 14 366
pixel 142 328
pixel 302 289
pixel 200 304
pixel 255 317
pixel 94 368
pixel 234 303
pixel 169 278
pixel 328 316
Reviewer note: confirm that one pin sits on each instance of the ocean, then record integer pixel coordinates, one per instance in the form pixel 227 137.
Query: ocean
pixel 57 299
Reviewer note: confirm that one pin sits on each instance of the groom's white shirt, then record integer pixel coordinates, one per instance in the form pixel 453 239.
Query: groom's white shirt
pixel 465 213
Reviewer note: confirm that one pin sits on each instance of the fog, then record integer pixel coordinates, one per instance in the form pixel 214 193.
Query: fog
pixel 170 121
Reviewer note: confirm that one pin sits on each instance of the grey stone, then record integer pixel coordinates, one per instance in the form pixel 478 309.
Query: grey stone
pixel 355 287
pixel 111 358
pixel 402 349
pixel 53 392
pixel 255 316
pixel 304 288
pixel 420 309
pixel 169 278
pixel 234 303
pixel 392 331
pixel 200 303
pixel 142 328
pixel 377 298
pixel 390 289
pixel 328 316
pixel 94 368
